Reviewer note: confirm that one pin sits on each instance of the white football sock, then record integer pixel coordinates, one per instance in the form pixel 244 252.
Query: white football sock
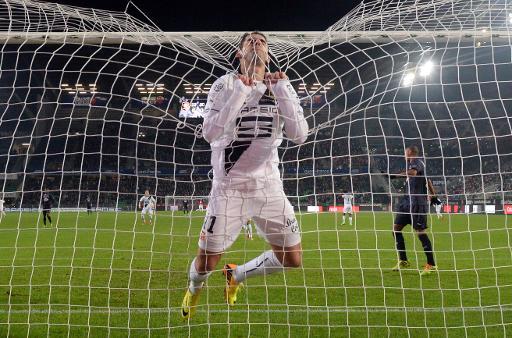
pixel 264 264
pixel 196 279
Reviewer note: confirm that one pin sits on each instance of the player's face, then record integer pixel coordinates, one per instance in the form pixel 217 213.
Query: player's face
pixel 146 193
pixel 255 50
pixel 408 154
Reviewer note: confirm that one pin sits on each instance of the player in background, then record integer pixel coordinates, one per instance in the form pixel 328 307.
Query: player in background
pixel 200 206
pixel 89 205
pixel 245 117
pixel 2 212
pixel 413 209
pixel 347 207
pixel 247 227
pixel 435 201
pixel 438 205
pixel 47 203
pixel 185 207
pixel 147 203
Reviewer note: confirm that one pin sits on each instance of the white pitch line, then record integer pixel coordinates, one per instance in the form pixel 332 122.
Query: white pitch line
pixel 291 310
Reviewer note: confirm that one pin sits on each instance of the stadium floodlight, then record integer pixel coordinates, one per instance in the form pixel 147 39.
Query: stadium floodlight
pixel 408 79
pixel 426 68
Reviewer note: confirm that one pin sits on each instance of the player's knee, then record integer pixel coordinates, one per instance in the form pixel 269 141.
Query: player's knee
pixel 205 266
pixel 206 263
pixel 292 260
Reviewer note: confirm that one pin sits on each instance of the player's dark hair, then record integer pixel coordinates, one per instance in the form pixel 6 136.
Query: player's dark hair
pixel 414 150
pixel 244 37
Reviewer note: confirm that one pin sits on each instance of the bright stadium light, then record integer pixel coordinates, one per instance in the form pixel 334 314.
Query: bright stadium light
pixel 408 79
pixel 426 68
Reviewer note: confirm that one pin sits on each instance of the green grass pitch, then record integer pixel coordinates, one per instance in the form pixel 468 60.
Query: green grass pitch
pixel 109 274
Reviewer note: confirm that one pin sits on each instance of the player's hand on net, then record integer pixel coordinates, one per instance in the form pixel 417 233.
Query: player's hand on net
pixel 272 78
pixel 246 80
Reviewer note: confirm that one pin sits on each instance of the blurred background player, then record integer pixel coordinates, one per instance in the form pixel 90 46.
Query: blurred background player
pixel 200 206
pixel 147 203
pixel 435 201
pixel 347 207
pixel 247 227
pixel 47 203
pixel 89 205
pixel 2 212
pixel 185 207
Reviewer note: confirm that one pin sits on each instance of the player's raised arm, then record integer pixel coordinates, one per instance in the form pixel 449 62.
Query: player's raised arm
pixel 430 187
pixel 225 99
pixel 295 125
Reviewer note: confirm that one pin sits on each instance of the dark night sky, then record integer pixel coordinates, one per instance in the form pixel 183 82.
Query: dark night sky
pixel 278 15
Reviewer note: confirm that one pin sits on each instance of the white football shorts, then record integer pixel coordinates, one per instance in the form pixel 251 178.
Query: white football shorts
pixel 228 209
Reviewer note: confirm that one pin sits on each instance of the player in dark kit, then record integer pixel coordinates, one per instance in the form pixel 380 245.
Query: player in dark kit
pixel 413 209
pixel 89 205
pixel 47 202
pixel 185 207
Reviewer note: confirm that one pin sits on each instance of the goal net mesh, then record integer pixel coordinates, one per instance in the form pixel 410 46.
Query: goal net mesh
pixel 101 106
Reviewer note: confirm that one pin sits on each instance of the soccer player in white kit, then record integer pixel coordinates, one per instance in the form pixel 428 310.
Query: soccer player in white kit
pixel 247 226
pixel 435 201
pixel 245 117
pixel 347 207
pixel 201 206
pixel 147 204
pixel 438 205
pixel 2 212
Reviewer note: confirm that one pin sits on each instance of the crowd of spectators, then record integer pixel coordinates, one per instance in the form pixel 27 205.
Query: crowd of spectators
pixel 114 167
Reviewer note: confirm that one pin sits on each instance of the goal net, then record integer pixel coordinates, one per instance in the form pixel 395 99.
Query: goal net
pixel 98 106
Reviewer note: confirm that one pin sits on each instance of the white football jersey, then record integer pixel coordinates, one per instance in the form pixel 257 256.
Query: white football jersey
pixel 2 204
pixel 147 201
pixel 244 126
pixel 347 199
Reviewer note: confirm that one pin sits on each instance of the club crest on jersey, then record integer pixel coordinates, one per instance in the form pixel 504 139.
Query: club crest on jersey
pixel 218 87
pixel 267 98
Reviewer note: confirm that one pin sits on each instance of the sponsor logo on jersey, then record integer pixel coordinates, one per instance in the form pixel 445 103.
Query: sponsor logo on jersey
pixel 292 224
